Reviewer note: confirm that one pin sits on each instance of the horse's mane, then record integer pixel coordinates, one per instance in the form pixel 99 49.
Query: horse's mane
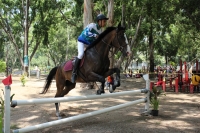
pixel 103 34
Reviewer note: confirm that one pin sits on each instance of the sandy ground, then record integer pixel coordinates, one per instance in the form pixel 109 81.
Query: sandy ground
pixel 178 113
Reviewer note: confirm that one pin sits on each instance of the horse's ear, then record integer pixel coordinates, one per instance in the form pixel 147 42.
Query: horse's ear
pixel 119 25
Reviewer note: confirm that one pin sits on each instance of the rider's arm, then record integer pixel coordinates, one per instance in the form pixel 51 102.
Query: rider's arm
pixel 91 30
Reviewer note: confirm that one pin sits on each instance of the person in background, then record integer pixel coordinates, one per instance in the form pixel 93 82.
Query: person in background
pixel 110 81
pixel 87 36
pixel 130 73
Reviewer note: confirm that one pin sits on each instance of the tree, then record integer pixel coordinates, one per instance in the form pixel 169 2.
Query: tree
pixel 110 23
pixel 87 16
pixel 131 32
pixel 44 15
pixel 26 31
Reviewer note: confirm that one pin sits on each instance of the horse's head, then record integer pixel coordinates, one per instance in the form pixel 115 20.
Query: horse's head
pixel 120 41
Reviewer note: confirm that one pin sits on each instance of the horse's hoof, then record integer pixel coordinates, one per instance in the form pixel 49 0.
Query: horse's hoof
pixel 98 92
pixel 103 91
pixel 112 88
pixel 117 83
pixel 59 117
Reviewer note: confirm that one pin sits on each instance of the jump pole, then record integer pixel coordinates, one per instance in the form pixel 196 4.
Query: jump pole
pixel 81 116
pixel 6 128
pixel 74 98
pixel 7 82
pixel 146 78
pixel 73 118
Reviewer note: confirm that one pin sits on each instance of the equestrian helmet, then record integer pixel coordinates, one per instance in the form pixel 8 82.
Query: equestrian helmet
pixel 101 17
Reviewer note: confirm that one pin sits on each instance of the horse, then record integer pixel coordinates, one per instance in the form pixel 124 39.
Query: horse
pixel 95 66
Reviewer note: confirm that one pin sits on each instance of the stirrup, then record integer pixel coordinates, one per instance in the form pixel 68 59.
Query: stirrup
pixel 74 77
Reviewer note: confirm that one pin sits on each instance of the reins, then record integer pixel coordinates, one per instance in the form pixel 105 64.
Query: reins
pixel 110 46
pixel 120 48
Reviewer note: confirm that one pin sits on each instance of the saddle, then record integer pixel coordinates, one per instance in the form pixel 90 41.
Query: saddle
pixel 69 65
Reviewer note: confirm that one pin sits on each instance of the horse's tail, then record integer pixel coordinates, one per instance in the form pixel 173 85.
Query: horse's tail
pixel 49 79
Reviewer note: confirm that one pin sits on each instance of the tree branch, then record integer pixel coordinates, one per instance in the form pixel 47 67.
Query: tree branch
pixel 11 37
pixel 132 43
pixel 67 19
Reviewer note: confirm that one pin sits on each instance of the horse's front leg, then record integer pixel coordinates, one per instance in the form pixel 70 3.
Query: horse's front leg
pixel 117 81
pixel 101 89
pixel 117 78
pixel 96 77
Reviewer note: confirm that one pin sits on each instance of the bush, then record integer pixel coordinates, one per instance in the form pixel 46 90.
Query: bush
pixel 23 79
pixel 2 66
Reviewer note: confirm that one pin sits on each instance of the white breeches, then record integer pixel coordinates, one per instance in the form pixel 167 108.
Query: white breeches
pixel 81 47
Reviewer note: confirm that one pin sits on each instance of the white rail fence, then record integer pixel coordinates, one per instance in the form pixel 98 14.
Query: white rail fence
pixel 7 105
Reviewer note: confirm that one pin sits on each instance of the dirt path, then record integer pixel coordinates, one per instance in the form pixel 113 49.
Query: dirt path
pixel 178 112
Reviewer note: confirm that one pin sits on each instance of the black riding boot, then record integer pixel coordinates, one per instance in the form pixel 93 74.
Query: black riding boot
pixel 74 72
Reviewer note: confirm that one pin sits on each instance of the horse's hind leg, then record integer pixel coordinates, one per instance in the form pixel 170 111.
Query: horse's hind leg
pixel 60 84
pixel 56 104
pixel 60 93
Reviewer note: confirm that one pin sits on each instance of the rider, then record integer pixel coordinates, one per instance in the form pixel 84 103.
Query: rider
pixel 88 35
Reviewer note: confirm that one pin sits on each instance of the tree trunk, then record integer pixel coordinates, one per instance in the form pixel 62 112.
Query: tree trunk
pixel 26 29
pixel 110 13
pixel 151 48
pixel 123 13
pixel 110 23
pixel 87 16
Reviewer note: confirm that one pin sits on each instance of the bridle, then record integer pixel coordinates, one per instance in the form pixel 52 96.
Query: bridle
pixel 120 48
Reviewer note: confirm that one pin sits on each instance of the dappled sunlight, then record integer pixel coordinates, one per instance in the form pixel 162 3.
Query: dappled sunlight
pixel 30 118
pixel 172 123
pixel 187 115
pixel 177 111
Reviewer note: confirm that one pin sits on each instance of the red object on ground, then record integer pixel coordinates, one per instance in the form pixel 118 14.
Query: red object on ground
pixel 159 83
pixel 110 79
pixel 151 85
pixel 191 88
pixel 7 81
pixel 137 75
pixel 176 85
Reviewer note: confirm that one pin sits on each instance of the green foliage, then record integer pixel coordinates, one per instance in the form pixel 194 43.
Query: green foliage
pixel 23 79
pixel 172 63
pixel 155 103
pixel 57 24
pixel 154 97
pixel 2 66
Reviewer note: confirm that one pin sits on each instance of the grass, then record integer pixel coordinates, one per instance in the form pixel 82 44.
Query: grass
pixel 14 126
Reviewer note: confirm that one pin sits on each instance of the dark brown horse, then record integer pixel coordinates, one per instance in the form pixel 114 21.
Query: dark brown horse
pixel 96 64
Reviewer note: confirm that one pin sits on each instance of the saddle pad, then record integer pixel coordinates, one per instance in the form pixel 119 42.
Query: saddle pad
pixel 69 65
